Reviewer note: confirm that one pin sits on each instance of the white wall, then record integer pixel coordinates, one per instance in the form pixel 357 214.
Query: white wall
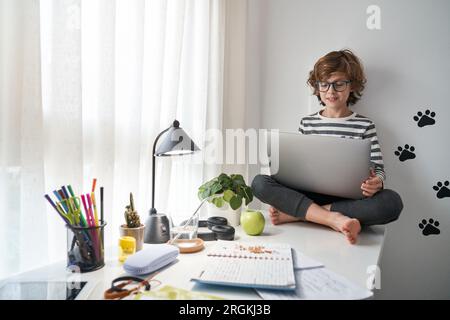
pixel 408 70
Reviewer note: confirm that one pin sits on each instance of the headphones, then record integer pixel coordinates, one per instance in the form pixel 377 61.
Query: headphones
pixel 218 229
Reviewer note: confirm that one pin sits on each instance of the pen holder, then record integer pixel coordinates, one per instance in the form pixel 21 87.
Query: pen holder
pixel 85 247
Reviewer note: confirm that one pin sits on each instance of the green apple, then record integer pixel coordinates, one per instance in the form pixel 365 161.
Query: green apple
pixel 252 222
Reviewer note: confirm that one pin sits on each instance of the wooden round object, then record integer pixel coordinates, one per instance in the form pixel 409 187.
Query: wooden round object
pixel 189 245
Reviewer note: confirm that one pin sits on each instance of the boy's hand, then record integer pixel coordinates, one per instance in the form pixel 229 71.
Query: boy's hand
pixel 371 185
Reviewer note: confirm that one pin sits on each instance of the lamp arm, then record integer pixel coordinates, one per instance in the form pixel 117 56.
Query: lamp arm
pixel 153 210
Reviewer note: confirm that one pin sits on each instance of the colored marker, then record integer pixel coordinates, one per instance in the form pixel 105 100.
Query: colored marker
pixel 89 202
pixel 86 210
pixel 60 199
pixel 94 232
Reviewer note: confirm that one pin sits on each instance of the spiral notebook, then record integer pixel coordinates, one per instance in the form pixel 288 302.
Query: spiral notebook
pixel 268 266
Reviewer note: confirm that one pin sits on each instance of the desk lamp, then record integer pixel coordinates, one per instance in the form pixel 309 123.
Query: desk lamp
pixel 176 142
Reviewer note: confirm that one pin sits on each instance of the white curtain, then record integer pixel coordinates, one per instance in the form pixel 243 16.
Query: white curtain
pixel 85 87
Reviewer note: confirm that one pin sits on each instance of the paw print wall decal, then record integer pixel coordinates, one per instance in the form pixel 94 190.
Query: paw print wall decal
pixel 429 227
pixel 442 189
pixel 425 119
pixel 405 153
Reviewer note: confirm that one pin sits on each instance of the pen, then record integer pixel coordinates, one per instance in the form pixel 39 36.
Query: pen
pixel 64 191
pixel 95 208
pixel 101 204
pixel 61 194
pixel 89 203
pixel 91 216
pixel 60 199
pixel 50 201
pixel 96 216
pixel 57 209
pixel 86 210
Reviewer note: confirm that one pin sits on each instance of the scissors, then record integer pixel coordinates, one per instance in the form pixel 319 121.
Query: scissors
pixel 68 217
pixel 117 291
pixel 73 207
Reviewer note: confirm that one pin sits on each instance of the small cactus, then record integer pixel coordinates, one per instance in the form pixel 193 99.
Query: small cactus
pixel 131 216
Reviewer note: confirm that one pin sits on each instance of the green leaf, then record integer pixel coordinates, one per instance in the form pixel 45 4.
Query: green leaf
pixel 225 181
pixel 248 195
pixel 227 185
pixel 238 180
pixel 205 194
pixel 218 202
pixel 232 186
pixel 207 184
pixel 237 177
pixel 205 189
pixel 235 202
pixel 200 192
pixel 215 188
pixel 227 195
pixel 223 176
pixel 240 192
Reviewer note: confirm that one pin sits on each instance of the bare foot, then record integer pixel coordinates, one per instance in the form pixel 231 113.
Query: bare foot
pixel 348 226
pixel 279 217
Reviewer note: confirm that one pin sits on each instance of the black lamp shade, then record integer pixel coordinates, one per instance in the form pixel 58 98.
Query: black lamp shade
pixel 176 142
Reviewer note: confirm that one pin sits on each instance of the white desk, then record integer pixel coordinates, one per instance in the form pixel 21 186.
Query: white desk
pixel 320 243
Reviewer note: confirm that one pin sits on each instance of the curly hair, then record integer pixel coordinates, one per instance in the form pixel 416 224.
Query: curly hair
pixel 339 61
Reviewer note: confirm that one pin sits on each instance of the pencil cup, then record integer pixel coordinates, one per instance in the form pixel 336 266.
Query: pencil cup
pixel 85 247
pixel 136 233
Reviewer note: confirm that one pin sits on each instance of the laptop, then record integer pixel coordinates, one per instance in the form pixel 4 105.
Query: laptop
pixel 321 164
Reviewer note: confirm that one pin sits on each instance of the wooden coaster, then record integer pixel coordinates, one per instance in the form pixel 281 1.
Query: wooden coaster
pixel 189 245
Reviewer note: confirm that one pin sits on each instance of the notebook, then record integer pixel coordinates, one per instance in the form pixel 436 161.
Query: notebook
pixel 268 266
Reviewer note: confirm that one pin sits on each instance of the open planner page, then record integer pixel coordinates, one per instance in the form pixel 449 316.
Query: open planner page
pixel 261 265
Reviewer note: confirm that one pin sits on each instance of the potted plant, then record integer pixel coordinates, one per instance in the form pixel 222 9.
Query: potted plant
pixel 133 226
pixel 226 194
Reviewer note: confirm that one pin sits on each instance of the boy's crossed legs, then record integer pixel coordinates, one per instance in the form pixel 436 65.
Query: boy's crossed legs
pixel 350 227
pixel 343 215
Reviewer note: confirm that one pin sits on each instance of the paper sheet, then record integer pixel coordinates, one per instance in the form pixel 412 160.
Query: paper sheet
pixel 318 284
pixel 171 293
pixel 302 261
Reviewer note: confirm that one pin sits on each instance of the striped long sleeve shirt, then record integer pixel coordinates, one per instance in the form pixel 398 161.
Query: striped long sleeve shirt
pixel 354 126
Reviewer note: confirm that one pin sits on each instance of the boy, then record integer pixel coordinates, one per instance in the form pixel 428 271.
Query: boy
pixel 337 80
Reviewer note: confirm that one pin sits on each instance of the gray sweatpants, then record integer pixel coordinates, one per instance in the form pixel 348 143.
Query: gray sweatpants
pixel 383 207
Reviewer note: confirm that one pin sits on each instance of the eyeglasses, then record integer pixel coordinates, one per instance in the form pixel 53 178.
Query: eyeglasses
pixel 337 85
